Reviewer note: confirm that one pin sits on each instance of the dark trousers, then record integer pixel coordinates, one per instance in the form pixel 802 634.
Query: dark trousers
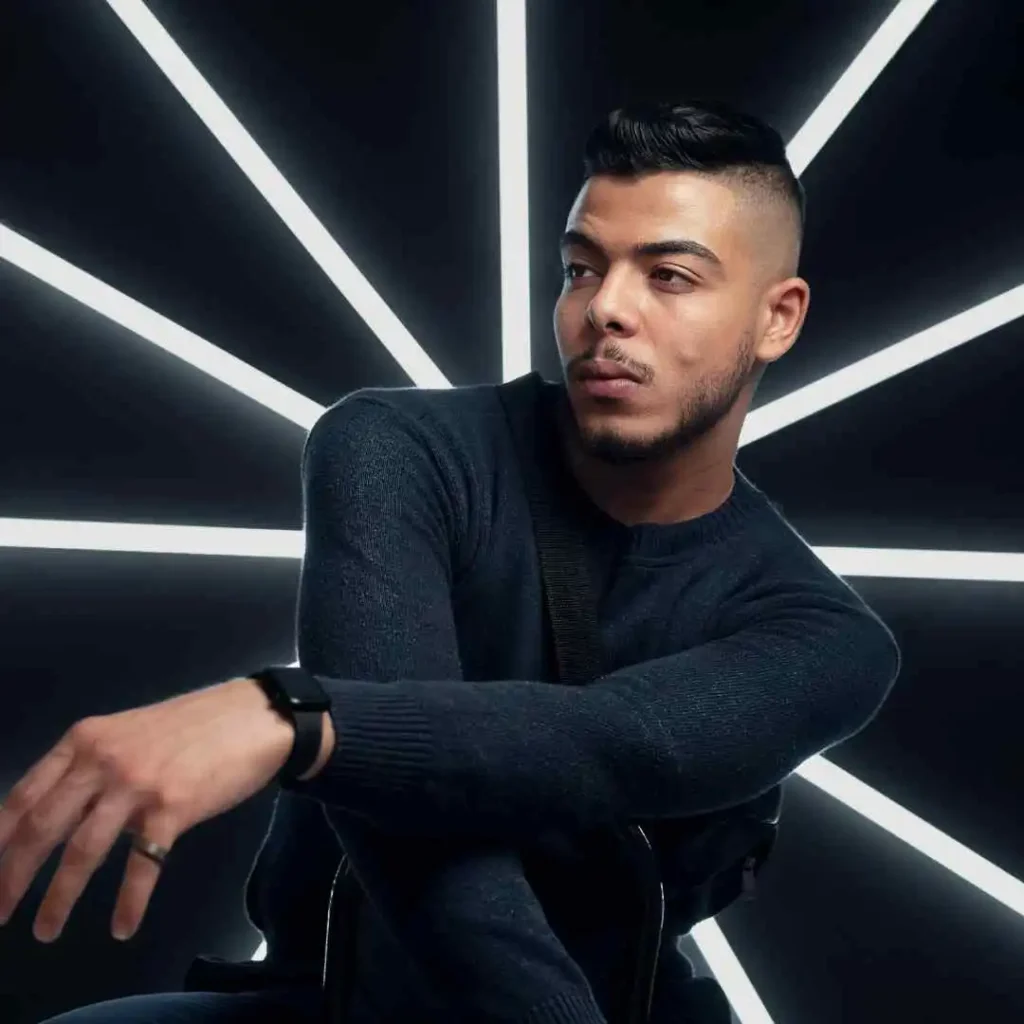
pixel 698 1002
pixel 284 1006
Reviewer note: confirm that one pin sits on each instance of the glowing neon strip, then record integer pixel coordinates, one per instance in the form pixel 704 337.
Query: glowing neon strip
pixel 513 189
pixel 854 82
pixel 883 365
pixel 83 535
pixel 69 535
pixel 915 832
pixel 729 973
pixel 157 329
pixel 284 200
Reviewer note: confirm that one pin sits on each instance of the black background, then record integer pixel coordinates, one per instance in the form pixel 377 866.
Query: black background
pixel 383 117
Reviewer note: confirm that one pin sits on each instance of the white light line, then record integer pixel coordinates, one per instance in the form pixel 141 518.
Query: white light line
pixel 855 81
pixel 164 333
pixel 156 538
pixel 285 201
pixel 915 832
pixel 759 423
pixel 71 535
pixel 727 969
pixel 985 566
pixel 513 189
pixel 881 366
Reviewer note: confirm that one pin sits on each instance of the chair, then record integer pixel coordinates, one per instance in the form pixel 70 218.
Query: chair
pixel 339 950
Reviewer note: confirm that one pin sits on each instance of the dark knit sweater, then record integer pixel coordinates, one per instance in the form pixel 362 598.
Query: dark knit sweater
pixel 734 655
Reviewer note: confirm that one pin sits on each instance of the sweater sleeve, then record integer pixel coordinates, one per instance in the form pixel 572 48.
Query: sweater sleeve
pixel 385 528
pixel 798 664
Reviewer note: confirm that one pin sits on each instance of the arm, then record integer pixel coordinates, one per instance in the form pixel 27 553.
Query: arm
pixel 794 670
pixel 383 529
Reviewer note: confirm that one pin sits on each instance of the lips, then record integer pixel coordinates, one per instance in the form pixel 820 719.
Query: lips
pixel 605 369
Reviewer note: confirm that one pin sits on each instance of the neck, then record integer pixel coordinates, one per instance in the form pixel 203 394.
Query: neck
pixel 690 483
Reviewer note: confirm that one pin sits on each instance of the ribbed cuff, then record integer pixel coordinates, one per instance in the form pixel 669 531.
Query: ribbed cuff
pixel 383 746
pixel 570 1008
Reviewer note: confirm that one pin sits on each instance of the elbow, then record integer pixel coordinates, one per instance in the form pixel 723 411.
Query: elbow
pixel 873 666
pixel 882 662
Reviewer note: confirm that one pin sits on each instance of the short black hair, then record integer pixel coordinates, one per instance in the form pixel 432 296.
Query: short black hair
pixel 707 136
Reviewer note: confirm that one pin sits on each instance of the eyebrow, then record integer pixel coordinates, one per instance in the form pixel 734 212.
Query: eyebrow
pixel 667 247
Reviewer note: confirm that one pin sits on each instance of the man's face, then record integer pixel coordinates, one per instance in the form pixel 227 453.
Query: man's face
pixel 685 322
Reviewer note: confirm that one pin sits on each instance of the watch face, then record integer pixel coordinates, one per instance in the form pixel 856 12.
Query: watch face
pixel 301 692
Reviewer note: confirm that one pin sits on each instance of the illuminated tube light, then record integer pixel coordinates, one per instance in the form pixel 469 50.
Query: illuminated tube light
pixel 164 333
pixel 513 189
pixel 881 366
pixel 983 566
pixel 728 971
pixel 143 537
pixel 855 81
pixel 284 200
pixel 914 831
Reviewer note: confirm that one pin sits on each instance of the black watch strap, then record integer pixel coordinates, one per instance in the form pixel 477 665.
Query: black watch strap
pixel 309 730
pixel 297 696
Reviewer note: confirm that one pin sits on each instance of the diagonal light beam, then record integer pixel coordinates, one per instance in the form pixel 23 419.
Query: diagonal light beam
pixel 513 189
pixel 727 969
pixel 855 81
pixel 164 333
pixel 759 423
pixel 916 832
pixel 283 199
pixel 881 366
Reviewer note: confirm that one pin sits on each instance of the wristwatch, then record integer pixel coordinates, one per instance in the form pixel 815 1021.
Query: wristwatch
pixel 298 697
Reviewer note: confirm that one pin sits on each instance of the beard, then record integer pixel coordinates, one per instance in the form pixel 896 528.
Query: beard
pixel 712 399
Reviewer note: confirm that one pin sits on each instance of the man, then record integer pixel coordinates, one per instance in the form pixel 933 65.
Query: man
pixel 447 759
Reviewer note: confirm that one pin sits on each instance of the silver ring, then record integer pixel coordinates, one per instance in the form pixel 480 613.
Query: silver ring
pixel 155 852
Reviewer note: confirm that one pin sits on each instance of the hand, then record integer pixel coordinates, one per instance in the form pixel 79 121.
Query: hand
pixel 155 771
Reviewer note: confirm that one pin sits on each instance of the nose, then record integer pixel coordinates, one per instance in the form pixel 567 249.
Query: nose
pixel 611 311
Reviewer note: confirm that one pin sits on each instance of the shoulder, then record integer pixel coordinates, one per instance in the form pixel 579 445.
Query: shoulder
pixel 775 572
pixel 417 451
pixel 381 419
pixel 463 429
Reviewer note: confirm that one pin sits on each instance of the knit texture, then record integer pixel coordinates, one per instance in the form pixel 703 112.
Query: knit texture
pixel 464 784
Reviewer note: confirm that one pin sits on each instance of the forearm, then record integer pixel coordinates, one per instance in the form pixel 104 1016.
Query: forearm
pixel 706 729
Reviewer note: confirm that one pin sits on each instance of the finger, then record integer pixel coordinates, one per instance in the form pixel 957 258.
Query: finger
pixel 87 848
pixel 141 874
pixel 40 829
pixel 32 787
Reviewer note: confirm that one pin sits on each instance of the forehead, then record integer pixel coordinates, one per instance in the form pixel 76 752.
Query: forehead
pixel 619 212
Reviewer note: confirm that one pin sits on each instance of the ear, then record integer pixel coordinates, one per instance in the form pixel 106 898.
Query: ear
pixel 784 311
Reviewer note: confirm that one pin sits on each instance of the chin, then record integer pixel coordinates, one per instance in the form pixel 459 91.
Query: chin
pixel 608 439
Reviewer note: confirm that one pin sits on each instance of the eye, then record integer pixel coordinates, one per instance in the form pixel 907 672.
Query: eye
pixel 568 271
pixel 680 278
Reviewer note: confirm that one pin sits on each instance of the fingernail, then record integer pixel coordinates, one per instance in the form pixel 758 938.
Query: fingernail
pixel 120 932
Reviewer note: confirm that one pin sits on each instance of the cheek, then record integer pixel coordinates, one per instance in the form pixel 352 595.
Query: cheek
pixel 704 335
pixel 568 317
